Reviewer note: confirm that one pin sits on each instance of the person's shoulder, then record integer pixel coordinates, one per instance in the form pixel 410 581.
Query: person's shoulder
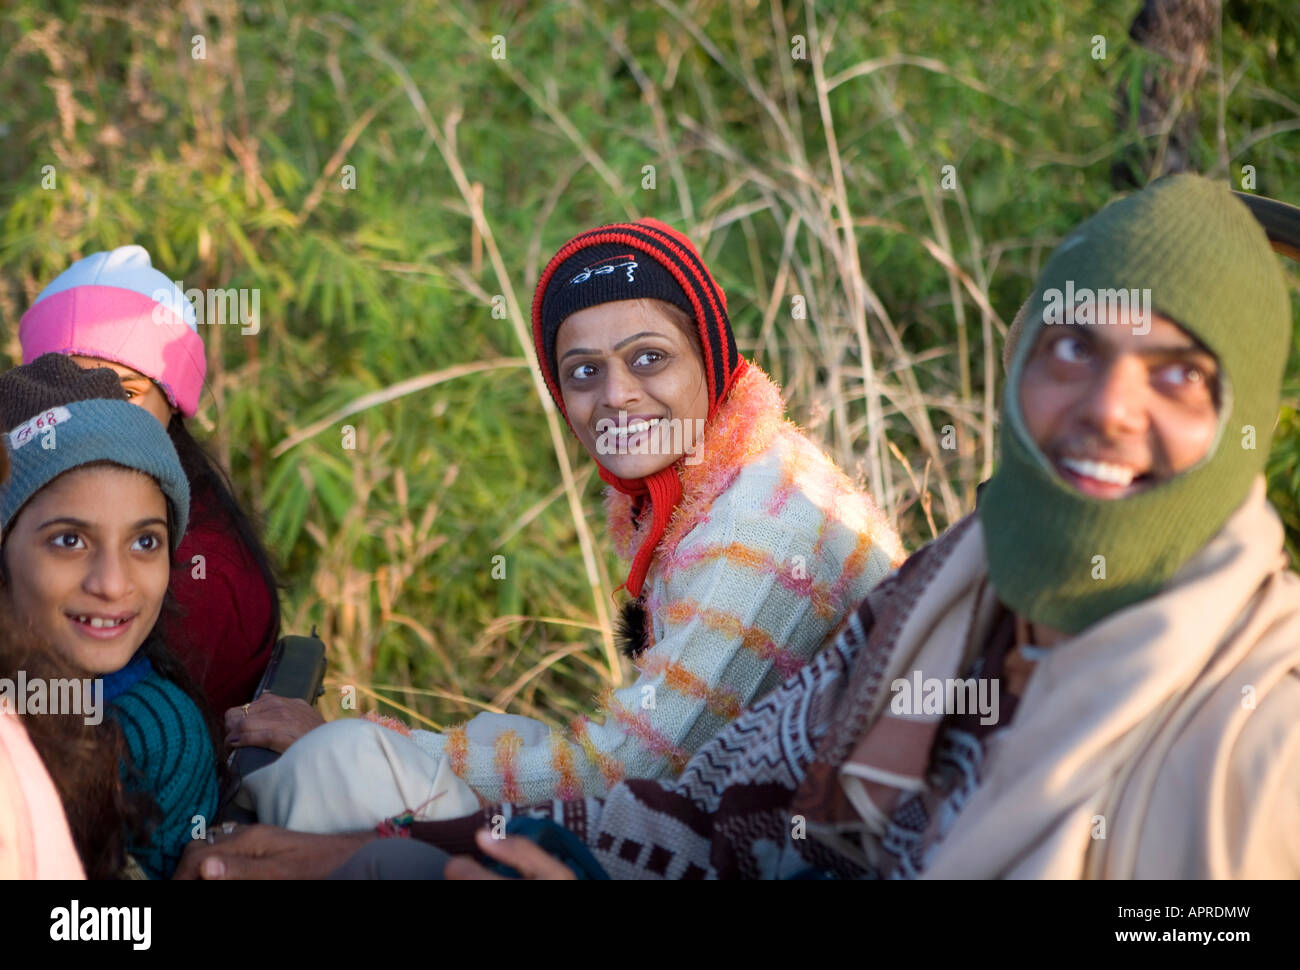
pixel 1265 764
pixel 170 747
pixel 160 711
pixel 1268 681
pixel 792 499
pixel 1271 732
pixel 211 532
pixel 790 469
pixel 793 473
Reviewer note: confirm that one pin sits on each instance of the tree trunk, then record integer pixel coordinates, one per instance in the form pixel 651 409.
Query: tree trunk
pixel 1179 36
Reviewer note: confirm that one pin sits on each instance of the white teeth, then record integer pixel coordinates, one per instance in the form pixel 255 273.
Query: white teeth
pixel 636 427
pixel 98 623
pixel 1102 471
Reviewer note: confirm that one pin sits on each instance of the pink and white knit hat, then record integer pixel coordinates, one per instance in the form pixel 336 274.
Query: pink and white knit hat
pixel 114 305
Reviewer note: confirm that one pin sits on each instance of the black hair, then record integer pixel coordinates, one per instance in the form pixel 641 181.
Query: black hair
pixel 207 477
pixel 81 759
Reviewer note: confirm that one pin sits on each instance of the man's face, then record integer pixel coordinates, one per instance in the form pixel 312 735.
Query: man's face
pixel 1117 412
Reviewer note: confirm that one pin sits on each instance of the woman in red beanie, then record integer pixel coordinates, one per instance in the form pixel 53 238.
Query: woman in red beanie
pixel 747 545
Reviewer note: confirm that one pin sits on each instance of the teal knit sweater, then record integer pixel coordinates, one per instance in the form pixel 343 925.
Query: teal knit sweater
pixel 171 759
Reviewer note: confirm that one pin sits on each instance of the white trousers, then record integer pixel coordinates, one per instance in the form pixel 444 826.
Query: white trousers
pixel 352 774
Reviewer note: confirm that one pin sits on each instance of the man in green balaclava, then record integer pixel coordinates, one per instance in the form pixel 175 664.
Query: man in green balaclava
pixel 1131 441
pixel 1097 674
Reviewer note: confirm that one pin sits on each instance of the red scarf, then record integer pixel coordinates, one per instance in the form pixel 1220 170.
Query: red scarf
pixel 664 488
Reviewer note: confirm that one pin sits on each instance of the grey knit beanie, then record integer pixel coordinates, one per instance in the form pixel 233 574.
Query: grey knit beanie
pixel 59 417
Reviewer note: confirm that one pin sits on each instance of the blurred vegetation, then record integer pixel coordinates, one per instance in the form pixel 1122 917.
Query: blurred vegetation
pixel 817 176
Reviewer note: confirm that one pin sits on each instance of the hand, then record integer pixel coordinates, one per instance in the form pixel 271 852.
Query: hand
pixel 270 722
pixel 521 854
pixel 268 852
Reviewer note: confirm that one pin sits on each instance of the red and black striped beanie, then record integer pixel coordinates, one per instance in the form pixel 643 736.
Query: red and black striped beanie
pixel 631 261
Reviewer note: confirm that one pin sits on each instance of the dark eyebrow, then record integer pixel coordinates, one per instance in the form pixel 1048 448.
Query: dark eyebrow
pixel 1176 350
pixel 1086 333
pixel 86 526
pixel 66 520
pixel 636 336
pixel 618 346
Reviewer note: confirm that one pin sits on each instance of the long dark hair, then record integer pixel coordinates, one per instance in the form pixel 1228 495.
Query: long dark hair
pixel 81 759
pixel 206 476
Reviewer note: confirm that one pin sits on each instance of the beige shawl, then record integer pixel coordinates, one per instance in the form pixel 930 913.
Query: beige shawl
pixel 1161 742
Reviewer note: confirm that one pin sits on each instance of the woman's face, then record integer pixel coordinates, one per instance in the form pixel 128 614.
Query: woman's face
pixel 139 389
pixel 88 564
pixel 633 386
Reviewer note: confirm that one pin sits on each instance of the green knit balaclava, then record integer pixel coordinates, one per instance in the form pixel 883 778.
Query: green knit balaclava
pixel 1209 268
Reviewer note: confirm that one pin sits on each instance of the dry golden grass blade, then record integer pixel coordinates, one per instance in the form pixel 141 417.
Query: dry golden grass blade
pixel 331 168
pixel 397 705
pixel 501 624
pixel 424 633
pixel 504 697
pixel 445 143
pixel 445 695
pixel 922 492
pixel 392 393
pixel 537 508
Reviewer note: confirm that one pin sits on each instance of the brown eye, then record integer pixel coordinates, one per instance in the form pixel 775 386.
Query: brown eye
pixel 582 372
pixel 1185 375
pixel 649 358
pixel 148 542
pixel 1069 349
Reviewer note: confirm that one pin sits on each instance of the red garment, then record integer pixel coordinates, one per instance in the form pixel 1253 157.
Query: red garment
pixel 223 631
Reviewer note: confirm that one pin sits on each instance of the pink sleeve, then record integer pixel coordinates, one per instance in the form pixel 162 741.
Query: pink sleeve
pixel 34 838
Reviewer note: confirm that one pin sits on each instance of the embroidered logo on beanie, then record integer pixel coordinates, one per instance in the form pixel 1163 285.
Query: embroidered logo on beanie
pixel 604 267
pixel 80 417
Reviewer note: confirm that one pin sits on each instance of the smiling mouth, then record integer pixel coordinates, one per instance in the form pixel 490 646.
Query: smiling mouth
pixel 634 428
pixel 101 627
pixel 1102 479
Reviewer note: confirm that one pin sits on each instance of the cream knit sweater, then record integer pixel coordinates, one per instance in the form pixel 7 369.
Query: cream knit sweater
pixel 768 551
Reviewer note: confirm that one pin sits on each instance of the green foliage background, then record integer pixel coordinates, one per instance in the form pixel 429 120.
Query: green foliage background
pixel 229 169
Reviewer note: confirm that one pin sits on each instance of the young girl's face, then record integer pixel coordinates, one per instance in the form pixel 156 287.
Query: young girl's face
pixel 633 386
pixel 88 564
pixel 139 389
